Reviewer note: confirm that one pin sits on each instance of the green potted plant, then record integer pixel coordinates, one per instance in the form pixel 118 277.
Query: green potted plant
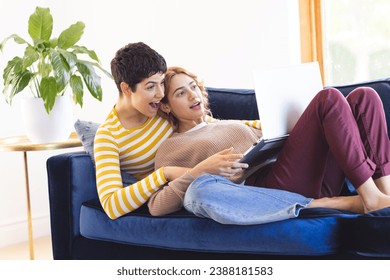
pixel 50 65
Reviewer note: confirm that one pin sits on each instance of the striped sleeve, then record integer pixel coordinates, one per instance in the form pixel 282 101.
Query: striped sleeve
pixel 254 123
pixel 116 199
pixel 251 123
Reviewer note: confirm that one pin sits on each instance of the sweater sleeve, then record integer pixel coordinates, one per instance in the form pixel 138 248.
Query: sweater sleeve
pixel 170 198
pixel 116 199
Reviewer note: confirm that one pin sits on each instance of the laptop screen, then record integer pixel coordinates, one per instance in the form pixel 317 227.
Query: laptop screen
pixel 283 93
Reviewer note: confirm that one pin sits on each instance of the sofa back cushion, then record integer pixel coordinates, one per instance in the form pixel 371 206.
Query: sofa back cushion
pixel 241 104
pixel 238 104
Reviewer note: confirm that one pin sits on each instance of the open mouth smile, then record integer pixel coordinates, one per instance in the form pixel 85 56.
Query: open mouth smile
pixel 195 105
pixel 154 105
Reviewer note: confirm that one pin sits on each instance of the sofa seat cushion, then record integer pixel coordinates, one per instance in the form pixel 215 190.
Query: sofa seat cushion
pixel 370 234
pixel 316 232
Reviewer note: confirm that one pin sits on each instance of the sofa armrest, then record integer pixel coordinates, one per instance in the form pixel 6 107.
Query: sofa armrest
pixel 71 181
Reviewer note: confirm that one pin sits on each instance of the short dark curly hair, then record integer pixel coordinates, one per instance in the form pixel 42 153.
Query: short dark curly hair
pixel 134 63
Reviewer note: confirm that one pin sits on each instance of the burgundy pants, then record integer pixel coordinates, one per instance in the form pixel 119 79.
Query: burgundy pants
pixel 336 137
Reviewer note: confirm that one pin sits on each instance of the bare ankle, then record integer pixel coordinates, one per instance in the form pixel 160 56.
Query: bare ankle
pixel 383 184
pixel 347 203
pixel 379 202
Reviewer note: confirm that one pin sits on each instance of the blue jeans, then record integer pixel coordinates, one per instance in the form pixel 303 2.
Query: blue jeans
pixel 220 199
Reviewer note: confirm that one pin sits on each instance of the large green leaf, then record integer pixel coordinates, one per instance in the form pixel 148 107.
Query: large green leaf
pixel 91 79
pixel 30 56
pixel 84 50
pixel 40 24
pixel 17 39
pixel 18 82
pixel 12 71
pixel 58 61
pixel 48 89
pixel 77 88
pixel 70 58
pixel 71 36
pixel 14 66
pixel 108 74
pixel 21 82
pixel 61 70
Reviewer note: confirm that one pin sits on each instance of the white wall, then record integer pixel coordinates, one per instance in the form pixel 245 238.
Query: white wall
pixel 220 40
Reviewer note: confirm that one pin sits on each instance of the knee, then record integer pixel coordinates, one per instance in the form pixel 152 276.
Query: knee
pixel 330 97
pixel 196 192
pixel 364 95
pixel 331 93
pixel 206 189
pixel 191 194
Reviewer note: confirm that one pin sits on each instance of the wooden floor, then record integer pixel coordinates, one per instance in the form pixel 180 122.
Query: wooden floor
pixel 42 250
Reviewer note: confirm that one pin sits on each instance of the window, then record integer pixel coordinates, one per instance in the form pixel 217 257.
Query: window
pixel 350 39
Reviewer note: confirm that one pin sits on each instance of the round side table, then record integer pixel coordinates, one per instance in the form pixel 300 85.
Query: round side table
pixel 22 144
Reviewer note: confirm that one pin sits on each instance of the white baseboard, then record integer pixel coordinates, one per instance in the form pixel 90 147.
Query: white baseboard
pixel 17 232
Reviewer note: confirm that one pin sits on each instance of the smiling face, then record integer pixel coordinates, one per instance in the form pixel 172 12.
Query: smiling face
pixel 185 101
pixel 148 94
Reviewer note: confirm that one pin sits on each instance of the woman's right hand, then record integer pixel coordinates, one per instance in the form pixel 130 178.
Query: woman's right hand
pixel 224 163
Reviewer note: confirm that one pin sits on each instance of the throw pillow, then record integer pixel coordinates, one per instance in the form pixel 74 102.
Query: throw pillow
pixel 86 131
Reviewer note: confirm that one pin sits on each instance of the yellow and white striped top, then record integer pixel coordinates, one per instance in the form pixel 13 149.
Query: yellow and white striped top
pixel 131 150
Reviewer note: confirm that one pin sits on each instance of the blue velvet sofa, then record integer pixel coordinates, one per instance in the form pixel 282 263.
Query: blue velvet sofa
pixel 81 230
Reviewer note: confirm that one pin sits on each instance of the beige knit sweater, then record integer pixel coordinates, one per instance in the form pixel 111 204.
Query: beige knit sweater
pixel 190 148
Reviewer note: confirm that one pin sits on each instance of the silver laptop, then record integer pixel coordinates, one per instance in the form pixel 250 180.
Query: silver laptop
pixel 282 94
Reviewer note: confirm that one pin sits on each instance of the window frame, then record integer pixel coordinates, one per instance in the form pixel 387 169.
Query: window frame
pixel 310 15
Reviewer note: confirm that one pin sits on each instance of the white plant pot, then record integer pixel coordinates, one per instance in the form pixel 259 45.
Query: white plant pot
pixel 41 127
